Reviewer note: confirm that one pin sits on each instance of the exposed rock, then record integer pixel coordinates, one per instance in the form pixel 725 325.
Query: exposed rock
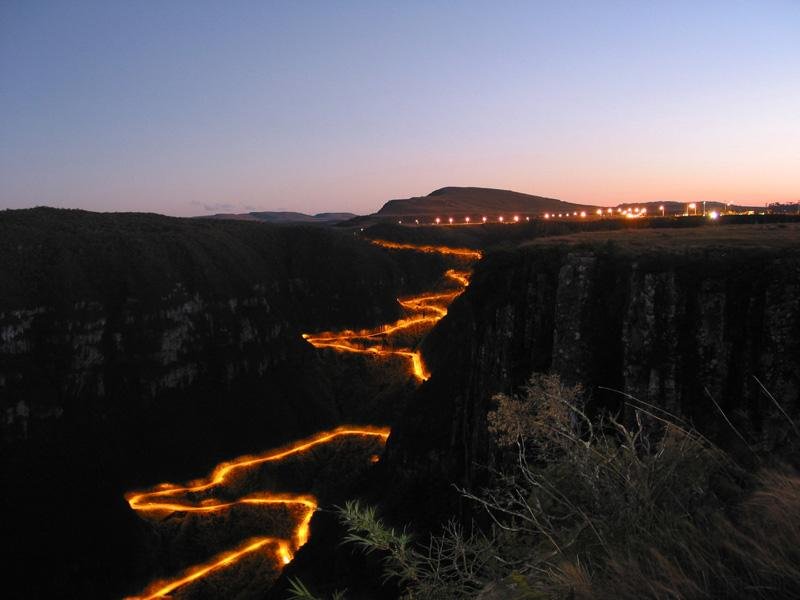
pixel 673 328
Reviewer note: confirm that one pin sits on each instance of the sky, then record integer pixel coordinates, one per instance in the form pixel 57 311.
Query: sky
pixel 190 108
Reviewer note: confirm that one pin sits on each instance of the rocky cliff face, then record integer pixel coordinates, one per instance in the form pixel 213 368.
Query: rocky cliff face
pixel 675 322
pixel 104 311
pixel 139 348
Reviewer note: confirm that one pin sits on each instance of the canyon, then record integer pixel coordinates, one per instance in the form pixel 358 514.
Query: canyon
pixel 138 348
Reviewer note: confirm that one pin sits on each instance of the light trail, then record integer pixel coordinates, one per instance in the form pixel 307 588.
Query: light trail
pixel 164 589
pixel 167 497
pixel 463 252
pixel 425 310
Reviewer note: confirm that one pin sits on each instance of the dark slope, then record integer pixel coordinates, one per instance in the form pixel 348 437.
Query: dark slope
pixel 669 316
pixel 284 217
pixel 136 348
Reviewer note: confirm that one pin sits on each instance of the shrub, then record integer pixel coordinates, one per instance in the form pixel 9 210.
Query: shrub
pixel 598 508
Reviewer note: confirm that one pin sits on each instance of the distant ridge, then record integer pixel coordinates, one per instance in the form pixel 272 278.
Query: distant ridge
pixel 285 217
pixel 460 201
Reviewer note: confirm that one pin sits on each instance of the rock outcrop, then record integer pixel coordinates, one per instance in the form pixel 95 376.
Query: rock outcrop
pixel 682 320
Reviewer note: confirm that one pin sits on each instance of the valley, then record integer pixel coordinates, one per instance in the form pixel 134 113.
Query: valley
pixel 369 375
pixel 202 497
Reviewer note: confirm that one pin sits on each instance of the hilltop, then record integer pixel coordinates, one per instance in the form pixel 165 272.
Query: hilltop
pixel 461 201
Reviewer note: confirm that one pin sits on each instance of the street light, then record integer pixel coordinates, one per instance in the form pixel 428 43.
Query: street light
pixel 661 208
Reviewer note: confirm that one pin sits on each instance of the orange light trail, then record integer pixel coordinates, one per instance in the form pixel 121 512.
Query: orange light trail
pixel 425 310
pixel 463 252
pixel 167 497
pixel 164 589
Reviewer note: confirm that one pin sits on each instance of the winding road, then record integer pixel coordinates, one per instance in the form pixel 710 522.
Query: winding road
pixel 207 496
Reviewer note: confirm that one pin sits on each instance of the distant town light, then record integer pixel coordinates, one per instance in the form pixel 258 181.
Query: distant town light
pixel 610 211
pixel 466 219
pixel 451 220
pixel 583 213
pixel 527 218
pixel 713 214
pixel 546 216
pixel 500 218
pixel 599 211
pixel 438 220
pixel 516 218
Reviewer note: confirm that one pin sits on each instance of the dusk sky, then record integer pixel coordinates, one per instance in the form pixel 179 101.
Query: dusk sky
pixel 186 108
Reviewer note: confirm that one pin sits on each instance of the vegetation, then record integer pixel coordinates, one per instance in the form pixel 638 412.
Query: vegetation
pixel 604 507
pixel 57 257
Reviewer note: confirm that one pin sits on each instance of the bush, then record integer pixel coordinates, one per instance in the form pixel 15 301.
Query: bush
pixel 598 508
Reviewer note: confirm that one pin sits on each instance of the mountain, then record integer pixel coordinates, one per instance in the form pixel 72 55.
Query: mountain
pixel 285 217
pixel 475 202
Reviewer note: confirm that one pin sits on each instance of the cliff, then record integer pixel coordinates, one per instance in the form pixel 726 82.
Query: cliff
pixel 674 317
pixel 136 348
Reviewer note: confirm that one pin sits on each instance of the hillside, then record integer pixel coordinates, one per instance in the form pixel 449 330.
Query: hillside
pixel 286 217
pixel 136 348
pixel 474 201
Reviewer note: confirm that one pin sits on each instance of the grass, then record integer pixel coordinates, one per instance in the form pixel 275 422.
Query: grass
pixel 767 236
pixel 598 508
